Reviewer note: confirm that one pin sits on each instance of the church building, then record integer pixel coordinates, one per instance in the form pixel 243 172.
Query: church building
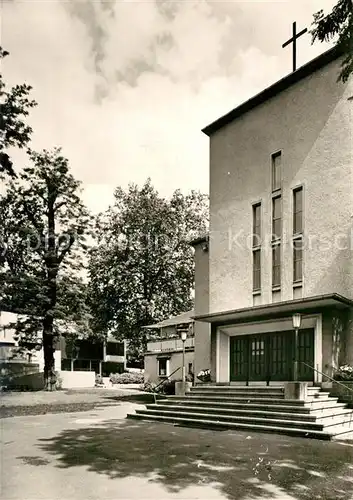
pixel 274 277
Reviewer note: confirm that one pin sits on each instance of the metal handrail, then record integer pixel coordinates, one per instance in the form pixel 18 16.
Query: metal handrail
pixel 162 382
pixel 328 376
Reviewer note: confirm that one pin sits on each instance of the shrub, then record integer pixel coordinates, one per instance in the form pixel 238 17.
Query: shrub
pixel 149 387
pixel 168 387
pixel 344 372
pixel 110 367
pixel 127 378
pixel 99 380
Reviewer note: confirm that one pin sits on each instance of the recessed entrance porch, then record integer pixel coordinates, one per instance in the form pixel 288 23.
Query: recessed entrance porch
pixel 263 353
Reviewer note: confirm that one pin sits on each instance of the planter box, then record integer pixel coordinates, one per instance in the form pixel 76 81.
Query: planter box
pixel 181 388
pixel 296 390
pixel 343 393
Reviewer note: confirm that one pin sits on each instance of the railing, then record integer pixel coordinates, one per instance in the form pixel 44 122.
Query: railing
pixel 162 382
pixel 327 376
pixel 169 345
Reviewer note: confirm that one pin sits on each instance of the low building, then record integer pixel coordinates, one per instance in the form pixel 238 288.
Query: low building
pixel 164 355
pixel 103 358
pixel 84 355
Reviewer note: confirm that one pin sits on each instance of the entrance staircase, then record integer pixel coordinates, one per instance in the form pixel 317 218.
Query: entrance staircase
pixel 262 409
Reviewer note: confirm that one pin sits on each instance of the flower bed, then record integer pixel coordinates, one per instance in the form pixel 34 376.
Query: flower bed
pixel 127 378
pixel 204 375
pixel 344 372
pixel 342 387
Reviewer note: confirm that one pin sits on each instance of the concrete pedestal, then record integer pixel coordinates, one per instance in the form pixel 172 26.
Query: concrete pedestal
pixel 181 388
pixel 296 390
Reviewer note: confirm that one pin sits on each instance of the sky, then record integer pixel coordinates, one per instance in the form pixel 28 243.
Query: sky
pixel 125 86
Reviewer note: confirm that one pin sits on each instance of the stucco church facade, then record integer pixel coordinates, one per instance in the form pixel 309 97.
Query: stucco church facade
pixel 281 234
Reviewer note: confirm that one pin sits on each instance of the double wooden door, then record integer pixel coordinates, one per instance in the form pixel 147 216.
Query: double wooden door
pixel 269 356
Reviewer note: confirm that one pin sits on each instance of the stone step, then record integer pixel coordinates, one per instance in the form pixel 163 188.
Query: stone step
pixel 234 419
pixel 329 425
pixel 212 424
pixel 253 406
pixel 251 399
pixel 230 388
pixel 319 402
pixel 320 410
pixel 330 415
pixel 231 393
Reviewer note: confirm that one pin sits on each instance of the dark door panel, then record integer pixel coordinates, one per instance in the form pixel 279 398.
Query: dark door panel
pixel 270 356
pixel 257 355
pixel 239 358
pixel 306 355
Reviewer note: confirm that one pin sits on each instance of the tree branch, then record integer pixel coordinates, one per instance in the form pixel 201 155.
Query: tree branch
pixel 59 205
pixel 32 219
pixel 67 249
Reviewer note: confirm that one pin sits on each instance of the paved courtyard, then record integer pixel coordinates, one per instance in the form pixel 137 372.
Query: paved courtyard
pixel 98 454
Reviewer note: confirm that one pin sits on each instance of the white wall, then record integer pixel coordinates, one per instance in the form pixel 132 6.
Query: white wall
pixel 6 334
pixel 76 380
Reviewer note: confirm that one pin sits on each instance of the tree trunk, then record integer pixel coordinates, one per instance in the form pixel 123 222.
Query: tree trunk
pixel 49 350
pixel 52 272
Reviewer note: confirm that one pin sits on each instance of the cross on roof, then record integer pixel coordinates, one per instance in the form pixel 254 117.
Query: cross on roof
pixel 294 41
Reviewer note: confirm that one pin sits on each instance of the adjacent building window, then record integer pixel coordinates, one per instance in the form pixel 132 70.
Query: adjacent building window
pixel 276 171
pixel 257 269
pixel 298 210
pixel 276 265
pixel 276 218
pixel 162 367
pixel 257 225
pixel 115 348
pixel 297 260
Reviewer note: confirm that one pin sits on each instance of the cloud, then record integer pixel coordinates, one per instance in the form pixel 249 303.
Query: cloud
pixel 126 86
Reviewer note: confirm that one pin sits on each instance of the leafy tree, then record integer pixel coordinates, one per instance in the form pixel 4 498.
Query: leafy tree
pixel 339 23
pixel 14 132
pixel 43 225
pixel 141 269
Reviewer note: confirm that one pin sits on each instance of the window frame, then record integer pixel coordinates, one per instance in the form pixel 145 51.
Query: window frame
pixel 166 367
pixel 274 236
pixel 276 184
pixel 276 248
pixel 297 280
pixel 119 347
pixel 256 236
pixel 256 271
pixel 295 191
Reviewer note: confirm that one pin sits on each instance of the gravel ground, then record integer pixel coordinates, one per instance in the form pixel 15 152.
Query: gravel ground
pixel 99 454
pixel 42 402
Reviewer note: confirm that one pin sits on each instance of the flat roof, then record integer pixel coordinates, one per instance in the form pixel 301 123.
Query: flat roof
pixel 302 72
pixel 200 239
pixel 277 308
pixel 181 319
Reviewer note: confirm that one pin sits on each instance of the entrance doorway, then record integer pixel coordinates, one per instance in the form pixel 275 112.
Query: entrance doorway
pixel 269 356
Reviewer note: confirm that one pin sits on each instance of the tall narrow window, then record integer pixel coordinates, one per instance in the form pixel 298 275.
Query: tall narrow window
pixel 162 367
pixel 276 218
pixel 276 265
pixel 257 225
pixel 257 270
pixel 276 171
pixel 297 260
pixel 298 210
